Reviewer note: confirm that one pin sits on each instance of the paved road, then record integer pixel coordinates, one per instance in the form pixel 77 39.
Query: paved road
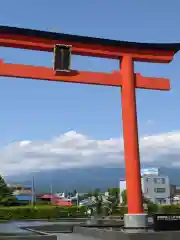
pixel 12 228
pixel 73 236
pixel 40 223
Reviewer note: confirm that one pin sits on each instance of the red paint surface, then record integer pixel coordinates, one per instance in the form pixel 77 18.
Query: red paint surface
pixel 106 79
pixel 130 131
pixel 39 44
pixel 125 78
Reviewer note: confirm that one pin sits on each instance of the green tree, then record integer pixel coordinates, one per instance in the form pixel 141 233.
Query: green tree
pixel 96 192
pixel 124 197
pixel 114 199
pixel 74 192
pixel 89 194
pixel 153 208
pixel 4 190
pixel 7 201
pixel 113 192
pixel 98 205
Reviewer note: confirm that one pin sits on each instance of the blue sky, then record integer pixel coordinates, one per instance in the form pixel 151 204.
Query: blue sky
pixel 40 110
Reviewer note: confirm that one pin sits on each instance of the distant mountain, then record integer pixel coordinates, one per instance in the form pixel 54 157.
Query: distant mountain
pixel 82 179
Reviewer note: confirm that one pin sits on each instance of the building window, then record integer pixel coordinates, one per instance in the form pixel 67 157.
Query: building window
pixel 163 181
pixel 157 180
pixel 148 179
pixel 160 200
pixel 160 190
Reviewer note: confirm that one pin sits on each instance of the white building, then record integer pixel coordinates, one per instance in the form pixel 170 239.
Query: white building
pixel 154 186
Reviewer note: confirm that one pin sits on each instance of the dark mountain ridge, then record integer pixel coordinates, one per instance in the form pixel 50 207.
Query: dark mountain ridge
pixel 83 179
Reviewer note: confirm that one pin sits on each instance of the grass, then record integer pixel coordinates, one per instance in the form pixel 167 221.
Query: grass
pixel 4 221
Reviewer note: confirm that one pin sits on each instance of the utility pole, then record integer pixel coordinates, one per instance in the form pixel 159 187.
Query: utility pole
pixel 33 192
pixel 77 198
pixel 51 191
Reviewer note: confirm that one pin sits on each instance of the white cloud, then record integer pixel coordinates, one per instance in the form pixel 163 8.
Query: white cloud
pixel 73 149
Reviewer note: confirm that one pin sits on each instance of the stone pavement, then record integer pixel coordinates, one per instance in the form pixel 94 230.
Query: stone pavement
pixel 73 236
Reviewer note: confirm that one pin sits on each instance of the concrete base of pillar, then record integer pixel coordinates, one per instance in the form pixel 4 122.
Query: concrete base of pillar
pixel 135 222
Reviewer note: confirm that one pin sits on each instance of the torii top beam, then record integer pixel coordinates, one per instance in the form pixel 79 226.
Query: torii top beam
pixel 88 46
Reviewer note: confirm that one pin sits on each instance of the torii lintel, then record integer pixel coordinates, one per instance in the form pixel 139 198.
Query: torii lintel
pixel 105 79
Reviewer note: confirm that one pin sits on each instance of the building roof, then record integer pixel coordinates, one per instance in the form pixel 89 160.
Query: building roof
pixel 86 202
pixel 23 197
pixel 62 203
pixel 48 196
pixel 88 40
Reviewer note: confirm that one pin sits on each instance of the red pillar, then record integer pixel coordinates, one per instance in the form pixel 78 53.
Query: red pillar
pixel 130 132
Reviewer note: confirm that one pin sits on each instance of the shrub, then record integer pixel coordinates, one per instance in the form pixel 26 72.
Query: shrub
pixel 122 210
pixel 152 208
pixel 43 212
pixel 174 208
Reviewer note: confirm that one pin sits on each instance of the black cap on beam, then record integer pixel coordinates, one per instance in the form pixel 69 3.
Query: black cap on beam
pixel 62 58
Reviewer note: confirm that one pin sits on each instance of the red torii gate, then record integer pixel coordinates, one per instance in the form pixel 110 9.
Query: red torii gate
pixel 126 53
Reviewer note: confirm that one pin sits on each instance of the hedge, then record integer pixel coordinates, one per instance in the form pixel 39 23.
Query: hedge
pixel 15 213
pixel 120 211
pixel 174 208
pixel 52 212
pixel 166 209
pixel 153 208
